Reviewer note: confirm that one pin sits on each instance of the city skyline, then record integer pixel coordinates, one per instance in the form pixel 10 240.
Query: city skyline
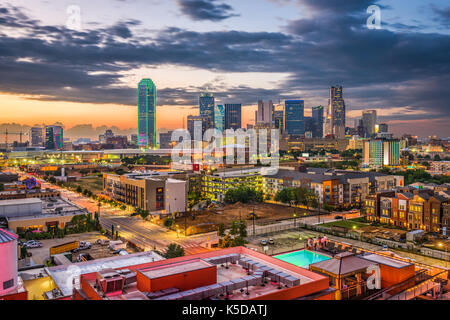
pixel 97 87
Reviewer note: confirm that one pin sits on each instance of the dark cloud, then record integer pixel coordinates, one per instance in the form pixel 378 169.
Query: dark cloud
pixel 378 68
pixel 210 10
pixel 442 15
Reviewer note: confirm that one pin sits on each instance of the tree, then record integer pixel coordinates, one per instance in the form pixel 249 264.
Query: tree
pixel 174 251
pixel 221 230
pixel 244 195
pixel 144 214
pixel 2 187
pixel 168 222
pixel 79 189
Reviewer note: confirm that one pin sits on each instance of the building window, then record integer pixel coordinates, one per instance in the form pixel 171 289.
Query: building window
pixel 8 284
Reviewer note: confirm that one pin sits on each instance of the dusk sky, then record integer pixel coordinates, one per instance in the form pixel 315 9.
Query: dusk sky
pixel 242 50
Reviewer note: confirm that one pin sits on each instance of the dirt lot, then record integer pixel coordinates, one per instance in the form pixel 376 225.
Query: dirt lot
pixel 40 255
pixel 267 213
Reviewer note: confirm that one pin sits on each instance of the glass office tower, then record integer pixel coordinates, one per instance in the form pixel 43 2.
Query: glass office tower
pixel 233 116
pixel 207 105
pixel 146 114
pixel 294 118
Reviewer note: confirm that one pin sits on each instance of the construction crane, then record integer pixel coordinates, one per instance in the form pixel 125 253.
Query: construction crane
pixel 21 134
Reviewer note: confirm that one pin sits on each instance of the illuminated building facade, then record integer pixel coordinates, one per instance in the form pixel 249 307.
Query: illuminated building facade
pixel 335 117
pixel 233 116
pixel 146 114
pixel 219 117
pixel 207 105
pixel 294 122
pixel 380 152
pixel 54 138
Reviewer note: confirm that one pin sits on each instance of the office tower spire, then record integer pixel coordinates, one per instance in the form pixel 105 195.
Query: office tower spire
pixel 146 114
pixel 335 117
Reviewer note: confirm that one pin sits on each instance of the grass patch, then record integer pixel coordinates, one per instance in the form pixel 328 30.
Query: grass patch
pixel 358 222
pixel 93 183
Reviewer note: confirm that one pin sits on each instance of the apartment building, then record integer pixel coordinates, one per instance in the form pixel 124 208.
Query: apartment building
pixel 410 209
pixel 338 188
pixel 154 191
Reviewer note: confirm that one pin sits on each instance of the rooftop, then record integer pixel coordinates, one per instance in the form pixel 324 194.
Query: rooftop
pixel 63 275
pixel 386 261
pixel 6 236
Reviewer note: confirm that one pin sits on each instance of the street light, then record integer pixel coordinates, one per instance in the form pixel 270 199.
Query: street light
pixel 295 220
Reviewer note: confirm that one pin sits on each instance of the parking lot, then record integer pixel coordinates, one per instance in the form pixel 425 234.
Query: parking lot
pixel 41 255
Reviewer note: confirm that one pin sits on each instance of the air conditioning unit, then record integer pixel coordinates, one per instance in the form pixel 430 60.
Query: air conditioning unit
pixel 110 282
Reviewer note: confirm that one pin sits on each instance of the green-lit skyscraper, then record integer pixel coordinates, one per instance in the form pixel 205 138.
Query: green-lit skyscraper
pixel 146 114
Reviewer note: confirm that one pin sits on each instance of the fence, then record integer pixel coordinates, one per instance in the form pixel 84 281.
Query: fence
pixel 296 225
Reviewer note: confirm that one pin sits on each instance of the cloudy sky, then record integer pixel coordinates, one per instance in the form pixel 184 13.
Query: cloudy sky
pixel 242 50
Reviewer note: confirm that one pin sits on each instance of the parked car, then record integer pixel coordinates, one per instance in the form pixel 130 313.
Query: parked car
pixel 338 218
pixel 102 242
pixel 264 242
pixel 271 241
pixel 32 244
pixel 123 253
pixel 119 251
pixel 83 246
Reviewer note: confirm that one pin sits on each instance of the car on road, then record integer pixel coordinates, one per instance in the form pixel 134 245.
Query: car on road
pixel 264 242
pixel 338 218
pixel 271 241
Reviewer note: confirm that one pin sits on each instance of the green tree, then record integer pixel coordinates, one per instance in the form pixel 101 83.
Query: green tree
pixel 79 189
pixel 144 214
pixel 221 230
pixel 168 223
pixel 174 251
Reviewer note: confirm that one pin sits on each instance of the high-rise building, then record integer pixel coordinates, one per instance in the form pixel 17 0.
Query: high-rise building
pixel 146 114
pixel 381 152
pixel 265 112
pixel 37 137
pixel 317 116
pixel 278 120
pixel 196 123
pixel 369 118
pixel 383 128
pixel 233 116
pixel 134 139
pixel 207 105
pixel 335 117
pixel 54 138
pixel 294 117
pixel 165 140
pixel 219 117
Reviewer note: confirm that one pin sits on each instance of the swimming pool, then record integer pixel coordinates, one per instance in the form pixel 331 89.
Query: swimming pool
pixel 302 258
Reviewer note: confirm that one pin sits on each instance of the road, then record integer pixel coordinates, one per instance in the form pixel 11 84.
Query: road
pixel 142 233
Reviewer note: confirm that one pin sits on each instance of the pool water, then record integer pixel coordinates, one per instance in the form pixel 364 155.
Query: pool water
pixel 302 258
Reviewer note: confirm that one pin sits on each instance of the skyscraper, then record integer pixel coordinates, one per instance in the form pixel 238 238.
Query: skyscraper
pixel 207 105
pixel 219 117
pixel 317 115
pixel 146 114
pixel 194 122
pixel 54 138
pixel 294 117
pixel 369 118
pixel 265 112
pixel 233 116
pixel 278 120
pixel 37 137
pixel 335 118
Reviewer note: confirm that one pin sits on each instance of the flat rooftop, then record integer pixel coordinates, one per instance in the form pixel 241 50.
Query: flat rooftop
pixel 63 275
pixel 18 202
pixel 175 268
pixel 386 261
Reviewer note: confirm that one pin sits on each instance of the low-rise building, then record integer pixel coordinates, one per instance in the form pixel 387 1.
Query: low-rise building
pixel 154 191
pixel 39 214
